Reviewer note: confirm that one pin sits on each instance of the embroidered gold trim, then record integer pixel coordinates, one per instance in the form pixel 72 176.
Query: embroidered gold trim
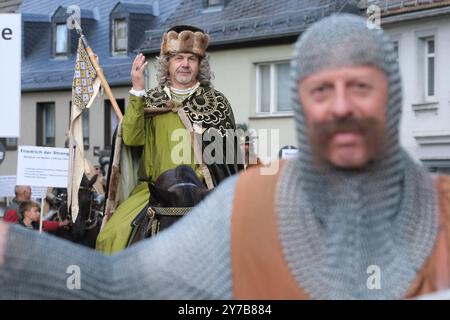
pixel 207 108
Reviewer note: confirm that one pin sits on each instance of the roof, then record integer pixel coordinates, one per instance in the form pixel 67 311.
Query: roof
pixel 32 17
pixel 247 20
pixel 395 7
pixel 41 71
pixel 9 5
pixel 238 23
pixel 137 8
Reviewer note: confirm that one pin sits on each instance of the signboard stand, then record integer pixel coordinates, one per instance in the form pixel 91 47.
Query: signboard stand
pixel 42 167
pixel 41 213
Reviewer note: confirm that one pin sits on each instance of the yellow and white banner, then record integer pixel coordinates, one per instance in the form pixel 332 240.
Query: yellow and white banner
pixel 85 87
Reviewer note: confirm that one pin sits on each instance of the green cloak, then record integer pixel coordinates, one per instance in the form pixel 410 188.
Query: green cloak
pixel 150 123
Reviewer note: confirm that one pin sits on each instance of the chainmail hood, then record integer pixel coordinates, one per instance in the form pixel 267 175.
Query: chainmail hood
pixel 339 227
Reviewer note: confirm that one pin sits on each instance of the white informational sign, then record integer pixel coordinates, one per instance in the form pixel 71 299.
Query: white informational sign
pixel 7 185
pixel 10 86
pixel 42 166
pixel 288 153
pixel 38 192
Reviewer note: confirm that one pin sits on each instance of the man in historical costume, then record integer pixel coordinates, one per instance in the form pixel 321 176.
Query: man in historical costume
pixel 351 217
pixel 162 119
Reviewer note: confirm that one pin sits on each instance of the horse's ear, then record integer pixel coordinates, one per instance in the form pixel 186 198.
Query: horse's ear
pixel 158 195
pixel 151 189
pixel 92 181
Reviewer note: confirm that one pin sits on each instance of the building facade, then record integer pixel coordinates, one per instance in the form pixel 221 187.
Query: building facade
pixel 421 33
pixel 114 30
pixel 251 44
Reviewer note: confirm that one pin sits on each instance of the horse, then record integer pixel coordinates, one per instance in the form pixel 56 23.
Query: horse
pixel 86 227
pixel 172 196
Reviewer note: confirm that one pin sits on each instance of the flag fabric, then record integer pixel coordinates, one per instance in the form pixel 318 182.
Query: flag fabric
pixel 85 87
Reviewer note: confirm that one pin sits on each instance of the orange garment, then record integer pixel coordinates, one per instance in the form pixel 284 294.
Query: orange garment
pixel 259 268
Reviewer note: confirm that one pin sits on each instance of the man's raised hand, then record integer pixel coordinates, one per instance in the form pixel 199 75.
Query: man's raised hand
pixel 137 72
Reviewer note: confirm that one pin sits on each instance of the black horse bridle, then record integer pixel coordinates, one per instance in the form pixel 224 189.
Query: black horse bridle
pixel 92 220
pixel 152 211
pixel 183 184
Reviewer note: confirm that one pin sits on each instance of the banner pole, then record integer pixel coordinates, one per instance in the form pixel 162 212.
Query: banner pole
pixel 41 212
pixel 100 73
pixel 104 83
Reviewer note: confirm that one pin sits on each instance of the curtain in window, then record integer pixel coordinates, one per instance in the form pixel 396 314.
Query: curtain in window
pixel 283 101
pixel 49 125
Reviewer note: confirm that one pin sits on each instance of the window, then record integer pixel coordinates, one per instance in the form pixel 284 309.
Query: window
pixel 45 135
pixel 396 50
pixel 439 170
pixel 425 78
pixel 9 143
pixel 120 36
pixel 61 40
pixel 111 120
pixel 212 3
pixel 60 34
pixel 429 67
pixel 441 166
pixel 273 88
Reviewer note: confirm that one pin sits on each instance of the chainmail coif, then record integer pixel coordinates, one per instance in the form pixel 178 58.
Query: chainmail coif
pixel 337 225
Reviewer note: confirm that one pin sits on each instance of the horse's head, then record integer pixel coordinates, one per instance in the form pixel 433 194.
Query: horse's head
pixel 86 212
pixel 57 200
pixel 172 195
pixel 179 187
pixel 63 212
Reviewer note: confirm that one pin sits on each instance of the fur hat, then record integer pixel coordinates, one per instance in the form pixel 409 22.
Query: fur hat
pixel 186 39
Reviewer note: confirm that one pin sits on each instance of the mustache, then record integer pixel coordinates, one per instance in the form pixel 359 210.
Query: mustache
pixel 370 128
pixel 326 129
pixel 184 69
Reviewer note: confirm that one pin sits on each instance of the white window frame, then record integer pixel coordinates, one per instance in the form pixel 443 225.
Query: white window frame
pixel 428 55
pixel 114 27
pixel 423 101
pixel 273 109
